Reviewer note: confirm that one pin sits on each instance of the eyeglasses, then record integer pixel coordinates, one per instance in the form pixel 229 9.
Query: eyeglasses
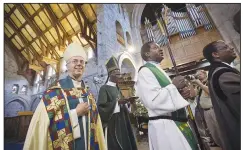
pixel 75 62
pixel 226 47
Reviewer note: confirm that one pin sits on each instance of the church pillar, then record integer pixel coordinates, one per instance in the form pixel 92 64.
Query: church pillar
pixel 222 16
pixel 135 28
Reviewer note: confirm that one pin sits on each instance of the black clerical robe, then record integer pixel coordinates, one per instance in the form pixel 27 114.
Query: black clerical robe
pixel 119 133
pixel 224 87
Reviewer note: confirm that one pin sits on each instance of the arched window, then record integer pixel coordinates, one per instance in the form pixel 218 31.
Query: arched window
pixel 129 39
pixel 38 77
pixel 24 89
pixel 51 71
pixel 15 88
pixel 119 34
pixel 90 53
pixel 63 66
pixel 51 74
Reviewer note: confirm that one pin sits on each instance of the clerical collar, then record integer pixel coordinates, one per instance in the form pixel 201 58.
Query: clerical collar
pixel 227 64
pixel 74 79
pixel 110 83
pixel 153 62
pixel 76 83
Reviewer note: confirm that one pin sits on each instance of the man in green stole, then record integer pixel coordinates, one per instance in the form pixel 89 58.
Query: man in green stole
pixel 67 116
pixel 167 127
pixel 114 113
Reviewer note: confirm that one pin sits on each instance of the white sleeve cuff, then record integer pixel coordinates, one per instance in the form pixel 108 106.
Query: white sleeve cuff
pixel 177 100
pixel 75 124
pixel 128 108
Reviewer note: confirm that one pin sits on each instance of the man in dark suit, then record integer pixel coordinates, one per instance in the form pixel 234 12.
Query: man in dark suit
pixel 224 89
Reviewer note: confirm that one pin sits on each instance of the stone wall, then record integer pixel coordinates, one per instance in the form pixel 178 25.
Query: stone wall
pixel 222 16
pixel 108 14
pixel 14 102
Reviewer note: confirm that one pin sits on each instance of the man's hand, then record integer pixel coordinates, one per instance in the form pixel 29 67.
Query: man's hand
pixel 185 92
pixel 82 109
pixel 122 101
pixel 132 99
pixel 179 82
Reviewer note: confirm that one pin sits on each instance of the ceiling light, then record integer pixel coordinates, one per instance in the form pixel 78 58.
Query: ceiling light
pixel 131 49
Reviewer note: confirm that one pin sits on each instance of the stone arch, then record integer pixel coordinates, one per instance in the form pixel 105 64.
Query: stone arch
pixel 120 33
pixel 137 14
pixel 35 102
pixel 127 64
pixel 23 105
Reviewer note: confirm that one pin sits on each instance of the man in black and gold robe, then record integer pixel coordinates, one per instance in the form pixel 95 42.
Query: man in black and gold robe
pixel 114 113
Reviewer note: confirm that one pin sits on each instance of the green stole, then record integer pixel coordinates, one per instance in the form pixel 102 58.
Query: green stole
pixel 181 113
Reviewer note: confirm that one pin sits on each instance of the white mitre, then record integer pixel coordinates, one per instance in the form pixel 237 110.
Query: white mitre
pixel 74 49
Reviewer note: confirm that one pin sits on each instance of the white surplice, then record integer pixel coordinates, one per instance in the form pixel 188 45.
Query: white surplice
pixel 163 133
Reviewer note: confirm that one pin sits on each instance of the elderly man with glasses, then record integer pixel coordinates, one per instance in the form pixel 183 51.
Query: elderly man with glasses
pixel 67 116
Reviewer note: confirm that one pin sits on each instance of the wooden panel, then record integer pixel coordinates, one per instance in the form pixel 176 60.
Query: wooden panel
pixel 25 113
pixel 175 38
pixel 10 127
pixel 177 45
pixel 190 49
pixel 24 122
pixel 205 41
pixel 166 62
pixel 186 42
pixel 194 39
pixel 179 53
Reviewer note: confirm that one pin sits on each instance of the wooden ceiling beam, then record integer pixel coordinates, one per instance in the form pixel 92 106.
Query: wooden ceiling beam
pixel 41 35
pixel 87 24
pixel 55 19
pixel 57 22
pixel 88 38
pixel 38 69
pixel 93 22
pixel 78 18
pixel 93 10
pixel 24 41
pixel 31 17
pixel 28 20
pixel 66 37
pixel 54 23
pixel 86 20
pixel 7 15
pixel 12 36
pixel 35 28
pixel 83 28
pixel 49 61
pixel 36 12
